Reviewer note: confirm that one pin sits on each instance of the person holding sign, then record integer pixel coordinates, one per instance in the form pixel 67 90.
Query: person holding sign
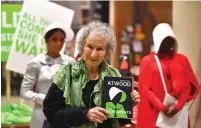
pixel 41 69
pixel 75 96
pixel 166 83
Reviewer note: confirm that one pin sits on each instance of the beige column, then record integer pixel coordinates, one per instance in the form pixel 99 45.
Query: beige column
pixel 120 16
pixel 187 26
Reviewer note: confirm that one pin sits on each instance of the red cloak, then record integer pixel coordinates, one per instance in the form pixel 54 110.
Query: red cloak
pixel 180 81
pixel 178 74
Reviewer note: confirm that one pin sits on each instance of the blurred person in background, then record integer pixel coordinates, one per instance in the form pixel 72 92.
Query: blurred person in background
pixel 74 99
pixel 178 75
pixel 41 69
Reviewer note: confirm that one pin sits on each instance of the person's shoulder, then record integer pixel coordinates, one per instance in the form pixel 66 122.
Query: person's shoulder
pixel 111 67
pixel 36 61
pixel 113 71
pixel 181 57
pixel 147 58
pixel 60 77
pixel 63 68
pixel 67 59
pixel 62 71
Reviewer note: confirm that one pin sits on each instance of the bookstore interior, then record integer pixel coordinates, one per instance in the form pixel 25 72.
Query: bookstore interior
pixel 133 22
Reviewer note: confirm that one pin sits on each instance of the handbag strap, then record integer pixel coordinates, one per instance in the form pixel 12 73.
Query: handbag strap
pixel 161 73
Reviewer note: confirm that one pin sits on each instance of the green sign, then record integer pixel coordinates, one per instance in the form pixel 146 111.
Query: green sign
pixel 9 18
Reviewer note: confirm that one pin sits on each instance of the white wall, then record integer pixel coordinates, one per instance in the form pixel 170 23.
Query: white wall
pixel 187 26
pixel 74 5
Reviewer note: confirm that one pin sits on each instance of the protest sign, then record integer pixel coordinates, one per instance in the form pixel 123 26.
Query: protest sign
pixel 28 41
pixel 9 18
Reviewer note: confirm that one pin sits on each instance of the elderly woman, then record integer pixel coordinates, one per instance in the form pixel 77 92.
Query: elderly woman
pixel 74 99
pixel 41 69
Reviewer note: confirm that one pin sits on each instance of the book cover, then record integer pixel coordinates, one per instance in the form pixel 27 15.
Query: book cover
pixel 116 97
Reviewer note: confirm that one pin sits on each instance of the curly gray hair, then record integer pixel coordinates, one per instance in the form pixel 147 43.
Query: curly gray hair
pixel 100 29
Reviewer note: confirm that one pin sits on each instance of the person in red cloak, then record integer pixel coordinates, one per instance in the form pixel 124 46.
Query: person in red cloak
pixel 178 74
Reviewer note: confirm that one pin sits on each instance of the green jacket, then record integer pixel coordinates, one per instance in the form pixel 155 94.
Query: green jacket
pixel 79 78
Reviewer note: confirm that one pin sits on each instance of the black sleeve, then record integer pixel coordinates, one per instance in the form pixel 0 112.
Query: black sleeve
pixel 123 122
pixel 58 113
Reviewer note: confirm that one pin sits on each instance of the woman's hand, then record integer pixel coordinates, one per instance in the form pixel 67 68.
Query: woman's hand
pixel 135 97
pixel 97 114
pixel 166 110
pixel 172 111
